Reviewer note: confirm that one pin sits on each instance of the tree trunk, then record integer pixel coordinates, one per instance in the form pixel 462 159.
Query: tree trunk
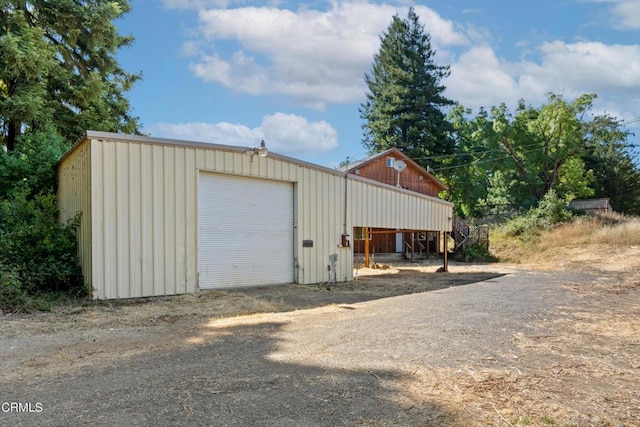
pixel 12 136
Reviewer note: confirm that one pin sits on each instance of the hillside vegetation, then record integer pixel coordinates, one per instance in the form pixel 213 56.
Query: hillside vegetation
pixel 603 242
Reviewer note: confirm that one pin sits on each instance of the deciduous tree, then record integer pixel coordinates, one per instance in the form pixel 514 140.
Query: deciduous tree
pixel 610 157
pixel 517 158
pixel 534 145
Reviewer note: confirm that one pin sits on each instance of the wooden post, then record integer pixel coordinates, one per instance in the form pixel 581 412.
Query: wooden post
pixel 446 253
pixel 413 243
pixel 366 247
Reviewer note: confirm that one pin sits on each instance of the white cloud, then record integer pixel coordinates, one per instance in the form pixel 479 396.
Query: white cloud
pixel 625 12
pixel 283 133
pixel 628 13
pixel 292 133
pixel 313 56
pixel 480 78
pixel 589 66
pixel 319 57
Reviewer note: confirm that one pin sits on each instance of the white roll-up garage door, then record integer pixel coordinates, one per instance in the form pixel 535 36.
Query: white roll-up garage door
pixel 245 231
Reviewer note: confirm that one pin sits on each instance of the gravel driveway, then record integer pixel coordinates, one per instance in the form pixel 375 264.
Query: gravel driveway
pixel 345 364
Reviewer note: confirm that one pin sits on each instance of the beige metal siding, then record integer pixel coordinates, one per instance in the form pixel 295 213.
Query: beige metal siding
pixel 74 196
pixel 375 205
pixel 144 226
pixel 320 209
pixel 139 236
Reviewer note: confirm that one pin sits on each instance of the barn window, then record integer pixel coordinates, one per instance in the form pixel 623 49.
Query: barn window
pixel 391 161
pixel 358 233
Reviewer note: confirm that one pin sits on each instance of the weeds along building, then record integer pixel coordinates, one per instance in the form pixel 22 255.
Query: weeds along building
pixel 165 217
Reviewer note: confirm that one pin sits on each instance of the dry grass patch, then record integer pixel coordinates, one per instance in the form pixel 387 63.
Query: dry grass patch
pixel 613 229
pixel 611 242
pixel 582 371
pixel 624 234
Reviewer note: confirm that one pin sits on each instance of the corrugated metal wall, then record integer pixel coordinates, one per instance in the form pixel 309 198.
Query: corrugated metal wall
pixel 372 205
pixel 142 193
pixel 144 219
pixel 74 196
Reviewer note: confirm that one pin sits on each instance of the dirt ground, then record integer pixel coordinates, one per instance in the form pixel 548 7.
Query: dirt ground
pixel 583 369
pixel 62 341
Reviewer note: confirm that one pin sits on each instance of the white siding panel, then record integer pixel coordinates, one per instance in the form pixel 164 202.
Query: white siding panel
pixel 169 229
pixel 180 221
pixel 120 173
pixel 157 197
pixel 245 231
pixel 191 217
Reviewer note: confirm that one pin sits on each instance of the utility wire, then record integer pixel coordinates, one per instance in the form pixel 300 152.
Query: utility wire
pixel 625 122
pixel 498 150
pixel 479 162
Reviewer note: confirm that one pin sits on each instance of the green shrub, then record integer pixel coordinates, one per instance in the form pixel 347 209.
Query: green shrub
pixel 551 210
pixel 475 253
pixel 38 256
pixel 12 297
pixel 35 247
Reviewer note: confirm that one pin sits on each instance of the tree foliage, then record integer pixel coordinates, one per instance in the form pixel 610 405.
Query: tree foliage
pixel 611 159
pixel 32 163
pixel 538 142
pixel 37 253
pixel 404 103
pixel 58 78
pixel 41 251
pixel 515 159
pixel 58 68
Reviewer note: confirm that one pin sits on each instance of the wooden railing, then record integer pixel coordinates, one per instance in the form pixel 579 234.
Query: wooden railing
pixel 466 235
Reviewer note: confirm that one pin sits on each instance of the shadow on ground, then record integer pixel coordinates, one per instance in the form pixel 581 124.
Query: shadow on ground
pixel 235 376
pixel 366 288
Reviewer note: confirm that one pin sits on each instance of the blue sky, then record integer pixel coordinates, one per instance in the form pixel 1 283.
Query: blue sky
pixel 292 73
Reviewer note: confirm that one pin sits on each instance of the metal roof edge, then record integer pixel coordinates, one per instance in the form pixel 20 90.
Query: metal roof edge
pixel 145 139
pixel 115 137
pixel 71 149
pixel 401 190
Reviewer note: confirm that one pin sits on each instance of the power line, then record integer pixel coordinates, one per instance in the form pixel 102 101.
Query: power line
pixel 471 154
pixel 637 119
pixel 479 162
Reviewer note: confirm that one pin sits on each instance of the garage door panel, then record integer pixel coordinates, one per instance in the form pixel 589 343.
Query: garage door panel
pixel 245 231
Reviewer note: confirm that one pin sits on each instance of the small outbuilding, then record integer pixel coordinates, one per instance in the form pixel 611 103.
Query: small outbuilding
pixel 165 217
pixel 591 206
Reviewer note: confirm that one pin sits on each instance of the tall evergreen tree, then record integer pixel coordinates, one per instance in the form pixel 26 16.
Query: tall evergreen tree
pixel 58 68
pixel 405 101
